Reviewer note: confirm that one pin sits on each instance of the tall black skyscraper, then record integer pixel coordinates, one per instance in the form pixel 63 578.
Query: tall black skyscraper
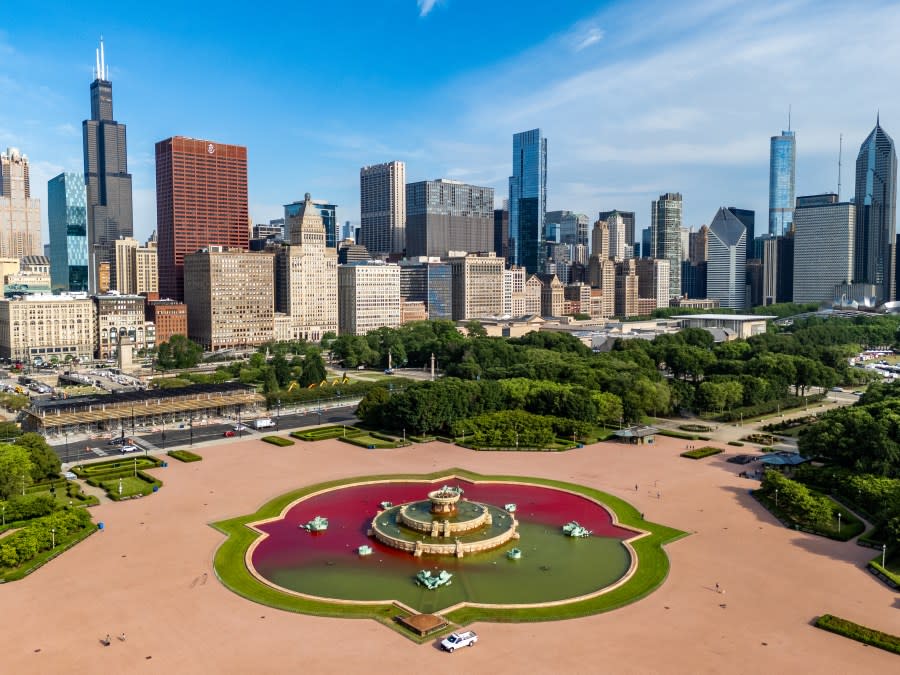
pixel 106 175
pixel 876 213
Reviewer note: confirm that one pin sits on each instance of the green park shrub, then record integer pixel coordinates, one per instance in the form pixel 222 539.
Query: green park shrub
pixel 323 433
pixel 671 433
pixel 28 507
pixel 700 453
pixel 278 440
pixel 854 631
pixel 40 535
pixel 184 455
pixel 736 444
pixel 696 428
pixel 761 439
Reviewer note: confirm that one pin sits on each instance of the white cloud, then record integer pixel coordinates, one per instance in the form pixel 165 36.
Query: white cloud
pixel 592 36
pixel 425 6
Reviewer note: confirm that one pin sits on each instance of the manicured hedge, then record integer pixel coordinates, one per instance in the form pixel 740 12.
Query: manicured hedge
pixel 854 631
pixel 184 455
pixel 700 453
pixel 278 440
pixel 323 433
pixel 116 467
pixel 678 434
pixel 696 428
pixel 736 444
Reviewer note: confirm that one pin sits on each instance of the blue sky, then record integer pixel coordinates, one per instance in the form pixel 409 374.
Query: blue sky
pixel 636 98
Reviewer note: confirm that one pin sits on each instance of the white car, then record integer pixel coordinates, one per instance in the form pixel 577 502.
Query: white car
pixel 68 475
pixel 130 448
pixel 457 640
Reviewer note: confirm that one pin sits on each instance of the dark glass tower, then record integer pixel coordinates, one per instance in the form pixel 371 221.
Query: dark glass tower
pixel 528 201
pixel 106 175
pixel 876 213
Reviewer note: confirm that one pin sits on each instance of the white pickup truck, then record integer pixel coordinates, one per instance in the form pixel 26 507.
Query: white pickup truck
pixel 262 423
pixel 457 640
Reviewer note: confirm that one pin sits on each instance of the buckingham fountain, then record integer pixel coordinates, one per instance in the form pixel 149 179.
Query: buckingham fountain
pixel 444 524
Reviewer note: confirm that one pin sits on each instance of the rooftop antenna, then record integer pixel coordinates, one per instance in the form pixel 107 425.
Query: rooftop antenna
pixel 104 71
pixel 840 151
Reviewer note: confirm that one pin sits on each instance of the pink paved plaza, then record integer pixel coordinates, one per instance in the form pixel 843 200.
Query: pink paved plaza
pixel 150 575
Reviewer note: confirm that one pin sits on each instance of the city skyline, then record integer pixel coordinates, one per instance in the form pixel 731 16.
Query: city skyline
pixel 696 142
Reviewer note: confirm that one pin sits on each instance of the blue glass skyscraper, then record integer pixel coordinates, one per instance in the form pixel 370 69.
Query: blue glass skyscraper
pixel 67 215
pixel 528 201
pixel 782 159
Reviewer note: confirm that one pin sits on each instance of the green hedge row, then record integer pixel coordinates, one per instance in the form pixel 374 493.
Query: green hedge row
pixel 678 434
pixel 854 631
pixel 40 535
pixel 116 467
pixel 736 444
pixel 324 433
pixel 184 455
pixel 367 441
pixel 111 485
pixel 700 453
pixel 278 440
pixel 696 428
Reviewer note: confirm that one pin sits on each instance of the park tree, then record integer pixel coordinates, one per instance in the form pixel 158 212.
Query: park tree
pixel 608 406
pixel 9 431
pixel 371 409
pixel 15 470
pixel 45 463
pixel 281 369
pixel 313 368
pixel 179 352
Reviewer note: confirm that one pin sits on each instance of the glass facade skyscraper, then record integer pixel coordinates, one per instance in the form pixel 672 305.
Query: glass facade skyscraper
pixel 782 158
pixel 876 213
pixel 528 200
pixel 665 236
pixel 67 215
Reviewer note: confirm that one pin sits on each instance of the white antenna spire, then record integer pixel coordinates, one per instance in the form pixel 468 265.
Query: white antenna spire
pixel 840 151
pixel 97 66
pixel 104 71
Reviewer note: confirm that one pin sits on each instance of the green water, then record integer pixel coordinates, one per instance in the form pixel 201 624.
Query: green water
pixel 552 567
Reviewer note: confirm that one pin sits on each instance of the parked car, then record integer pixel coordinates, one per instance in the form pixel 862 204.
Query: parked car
pixel 457 640
pixel 130 448
pixel 229 433
pixel 68 475
pixel 119 440
pixel 241 427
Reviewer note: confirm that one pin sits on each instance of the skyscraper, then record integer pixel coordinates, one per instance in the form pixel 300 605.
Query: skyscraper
pixel 67 214
pixel 574 228
pixel 726 271
pixel 617 236
pixel 628 217
pixel 329 218
pixel 201 201
pixel 20 215
pixel 108 183
pixel 447 215
pixel 876 213
pixel 782 158
pixel 824 242
pixel 382 207
pixel 665 236
pixel 748 219
pixel 528 200
pixel 501 233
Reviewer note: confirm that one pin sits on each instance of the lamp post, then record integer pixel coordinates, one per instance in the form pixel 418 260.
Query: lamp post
pixel 278 417
pixel 132 419
pixel 776 497
pixel 883 546
pixel 163 437
pixel 23 484
pixel 517 439
pixel 839 522
pixel 135 467
pixel 404 434
pixel 52 537
pixel 191 424
pixel 4 518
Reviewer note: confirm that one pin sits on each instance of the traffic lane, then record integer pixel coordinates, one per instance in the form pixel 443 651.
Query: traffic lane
pixel 76 451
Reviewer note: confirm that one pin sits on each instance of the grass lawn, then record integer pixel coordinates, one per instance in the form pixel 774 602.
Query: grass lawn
pixel 652 569
pixel 323 433
pixel 130 486
pixel 368 441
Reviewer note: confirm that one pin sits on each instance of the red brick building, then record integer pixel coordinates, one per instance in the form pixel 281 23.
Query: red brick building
pixel 201 200
pixel 169 317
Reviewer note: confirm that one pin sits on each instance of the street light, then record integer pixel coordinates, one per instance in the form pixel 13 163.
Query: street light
pixel 776 497
pixel 67 446
pixel 839 522
pixel 52 537
pixel 517 439
pixel 278 416
pixel 4 518
pixel 191 423
pixel 883 547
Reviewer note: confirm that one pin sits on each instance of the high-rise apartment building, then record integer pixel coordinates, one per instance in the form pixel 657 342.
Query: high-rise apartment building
pixel 307 272
pixel 327 211
pixel 201 201
pixel 229 296
pixel 368 297
pixel 628 217
pixel 477 284
pixel 108 183
pixel 600 240
pixel 699 245
pixel 653 280
pixel 617 241
pixel 876 213
pixel 528 200
pixel 448 215
pixel 136 266
pixel 665 236
pixel 726 270
pixel 382 206
pixel 20 215
pixel 67 215
pixel 626 293
pixel 782 160
pixel 778 268
pixel 824 246
pixel 553 295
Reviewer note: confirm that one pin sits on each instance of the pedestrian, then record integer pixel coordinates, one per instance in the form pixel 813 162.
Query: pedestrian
pixel 717 588
pixel 657 494
pixel 122 637
pixel 635 487
pixel 107 641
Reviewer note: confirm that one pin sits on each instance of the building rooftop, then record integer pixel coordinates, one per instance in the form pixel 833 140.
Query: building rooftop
pixel 135 397
pixel 728 317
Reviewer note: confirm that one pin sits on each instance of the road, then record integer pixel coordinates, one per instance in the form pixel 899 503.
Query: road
pixel 181 437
